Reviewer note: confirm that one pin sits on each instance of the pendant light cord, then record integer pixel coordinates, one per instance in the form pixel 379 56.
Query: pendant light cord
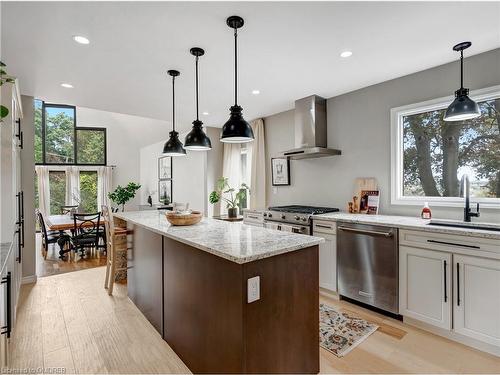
pixel 197 108
pixel 461 69
pixel 235 66
pixel 173 103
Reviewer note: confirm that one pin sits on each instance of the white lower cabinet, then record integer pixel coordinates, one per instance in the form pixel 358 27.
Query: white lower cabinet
pixel 425 285
pixel 452 282
pixel 328 262
pixel 476 308
pixel 327 254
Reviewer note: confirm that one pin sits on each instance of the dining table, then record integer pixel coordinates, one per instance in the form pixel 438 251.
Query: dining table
pixel 63 223
pixel 66 222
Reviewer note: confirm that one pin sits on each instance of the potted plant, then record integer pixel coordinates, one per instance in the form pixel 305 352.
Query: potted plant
pixel 232 197
pixel 4 78
pixel 122 195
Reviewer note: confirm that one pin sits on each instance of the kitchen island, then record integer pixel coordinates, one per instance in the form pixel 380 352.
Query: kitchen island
pixel 227 297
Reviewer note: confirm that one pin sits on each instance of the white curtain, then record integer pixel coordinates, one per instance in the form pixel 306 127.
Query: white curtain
pixel 104 186
pixel 72 186
pixel 257 150
pixel 42 173
pixel 231 167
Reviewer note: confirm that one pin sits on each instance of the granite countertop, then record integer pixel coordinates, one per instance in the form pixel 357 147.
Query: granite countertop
pixel 407 222
pixel 237 242
pixel 4 253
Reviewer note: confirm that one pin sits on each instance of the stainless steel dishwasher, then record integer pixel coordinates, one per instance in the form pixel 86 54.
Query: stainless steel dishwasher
pixel 367 267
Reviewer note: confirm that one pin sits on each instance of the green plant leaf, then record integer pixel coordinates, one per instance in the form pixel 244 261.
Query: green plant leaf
pixel 4 111
pixel 2 64
pixel 214 197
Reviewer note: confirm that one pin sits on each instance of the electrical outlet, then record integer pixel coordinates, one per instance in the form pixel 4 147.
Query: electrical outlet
pixel 253 289
pixel 275 190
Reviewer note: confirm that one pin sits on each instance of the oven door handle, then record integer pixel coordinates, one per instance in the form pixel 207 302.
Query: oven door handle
pixel 364 231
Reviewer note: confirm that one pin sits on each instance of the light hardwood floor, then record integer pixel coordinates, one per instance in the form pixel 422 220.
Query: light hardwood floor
pixel 69 321
pixel 73 262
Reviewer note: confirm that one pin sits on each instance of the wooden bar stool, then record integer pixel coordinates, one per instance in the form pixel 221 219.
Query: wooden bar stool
pixel 116 244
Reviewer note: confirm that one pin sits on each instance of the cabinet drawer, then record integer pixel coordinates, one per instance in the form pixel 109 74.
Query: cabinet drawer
pixel 459 244
pixel 324 226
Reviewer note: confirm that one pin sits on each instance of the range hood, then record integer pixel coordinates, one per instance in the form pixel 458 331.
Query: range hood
pixel 310 130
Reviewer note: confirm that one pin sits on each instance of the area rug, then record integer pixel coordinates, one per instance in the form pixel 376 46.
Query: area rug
pixel 340 332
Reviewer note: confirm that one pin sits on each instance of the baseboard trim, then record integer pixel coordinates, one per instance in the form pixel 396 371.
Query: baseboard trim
pixel 28 279
pixel 451 335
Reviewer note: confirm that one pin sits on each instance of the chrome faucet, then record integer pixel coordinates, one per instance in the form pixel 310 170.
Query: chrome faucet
pixel 465 192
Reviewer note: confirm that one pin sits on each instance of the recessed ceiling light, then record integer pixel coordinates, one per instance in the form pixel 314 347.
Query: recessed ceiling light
pixel 80 39
pixel 67 85
pixel 346 54
pixel 255 92
pixel 205 113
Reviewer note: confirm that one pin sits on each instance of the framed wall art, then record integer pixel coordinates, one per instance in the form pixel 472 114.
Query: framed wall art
pixel 280 171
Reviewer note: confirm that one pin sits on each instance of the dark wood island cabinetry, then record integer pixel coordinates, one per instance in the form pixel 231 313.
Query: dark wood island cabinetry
pixel 197 297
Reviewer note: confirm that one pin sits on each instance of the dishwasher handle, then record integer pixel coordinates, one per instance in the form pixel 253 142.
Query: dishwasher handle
pixel 366 231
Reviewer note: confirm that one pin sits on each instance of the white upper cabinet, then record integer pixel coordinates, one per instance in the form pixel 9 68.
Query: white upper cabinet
pixel 425 285
pixel 476 308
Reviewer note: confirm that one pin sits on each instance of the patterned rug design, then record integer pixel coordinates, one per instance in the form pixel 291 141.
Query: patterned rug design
pixel 340 332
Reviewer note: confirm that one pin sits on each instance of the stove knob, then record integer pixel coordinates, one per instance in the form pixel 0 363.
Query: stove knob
pixel 283 217
pixel 304 219
pixel 297 217
pixel 269 215
pixel 265 214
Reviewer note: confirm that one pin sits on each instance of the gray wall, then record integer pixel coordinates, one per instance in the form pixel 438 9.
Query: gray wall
pixel 214 166
pixel 359 125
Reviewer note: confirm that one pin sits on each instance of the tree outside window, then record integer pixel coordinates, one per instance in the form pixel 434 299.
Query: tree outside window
pixel 436 153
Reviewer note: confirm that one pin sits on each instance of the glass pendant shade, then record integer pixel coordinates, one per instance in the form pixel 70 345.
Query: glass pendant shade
pixel 463 107
pixel 197 140
pixel 236 129
pixel 173 147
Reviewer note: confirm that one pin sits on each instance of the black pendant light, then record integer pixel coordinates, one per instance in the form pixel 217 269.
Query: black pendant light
pixel 197 140
pixel 173 147
pixel 463 107
pixel 236 129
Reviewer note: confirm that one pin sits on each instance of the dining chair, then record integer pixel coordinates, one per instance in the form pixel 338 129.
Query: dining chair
pixel 50 237
pixel 86 232
pixel 116 244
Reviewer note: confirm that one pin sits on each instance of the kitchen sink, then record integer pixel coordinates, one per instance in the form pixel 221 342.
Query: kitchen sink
pixel 463 224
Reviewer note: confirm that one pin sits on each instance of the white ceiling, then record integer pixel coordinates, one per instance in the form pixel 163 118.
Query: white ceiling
pixel 287 50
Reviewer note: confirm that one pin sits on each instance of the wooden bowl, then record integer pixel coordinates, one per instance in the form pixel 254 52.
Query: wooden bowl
pixel 181 219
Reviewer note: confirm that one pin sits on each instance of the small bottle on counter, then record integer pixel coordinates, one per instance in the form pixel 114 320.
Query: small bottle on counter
pixel 426 211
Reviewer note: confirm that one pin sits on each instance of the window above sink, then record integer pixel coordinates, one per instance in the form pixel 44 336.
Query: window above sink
pixel 429 155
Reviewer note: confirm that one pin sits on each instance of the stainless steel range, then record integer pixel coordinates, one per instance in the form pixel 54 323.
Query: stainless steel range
pixel 295 218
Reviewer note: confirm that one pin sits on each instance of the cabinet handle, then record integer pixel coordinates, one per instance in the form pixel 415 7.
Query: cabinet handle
pixel 454 244
pixel 445 284
pixel 19 246
pixel 363 231
pixel 19 134
pixel 253 217
pixel 323 226
pixel 458 284
pixel 21 139
pixel 5 330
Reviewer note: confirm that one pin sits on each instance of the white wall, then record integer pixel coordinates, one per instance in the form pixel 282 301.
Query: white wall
pixel 192 178
pixel 126 135
pixel 359 125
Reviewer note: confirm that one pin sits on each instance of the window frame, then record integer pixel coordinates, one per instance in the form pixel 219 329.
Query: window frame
pixel 91 128
pixel 397 114
pixel 75 130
